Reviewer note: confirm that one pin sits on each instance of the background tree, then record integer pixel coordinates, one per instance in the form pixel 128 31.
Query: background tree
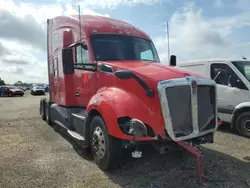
pixel 18 83
pixel 2 82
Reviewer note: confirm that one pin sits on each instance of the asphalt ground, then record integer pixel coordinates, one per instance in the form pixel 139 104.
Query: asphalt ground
pixel 34 154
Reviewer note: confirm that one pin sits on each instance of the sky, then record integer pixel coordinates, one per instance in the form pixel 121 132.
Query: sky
pixel 197 29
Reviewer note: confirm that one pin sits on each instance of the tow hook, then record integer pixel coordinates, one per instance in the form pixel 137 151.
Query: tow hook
pixel 136 129
pixel 136 154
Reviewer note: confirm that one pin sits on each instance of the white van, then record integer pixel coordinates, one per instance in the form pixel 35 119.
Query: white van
pixel 233 88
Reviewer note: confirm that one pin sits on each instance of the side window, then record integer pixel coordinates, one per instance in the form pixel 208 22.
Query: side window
pixel 147 55
pixel 55 43
pixel 224 75
pixel 55 68
pixel 234 80
pixel 219 73
pixel 143 50
pixel 247 72
pixel 82 55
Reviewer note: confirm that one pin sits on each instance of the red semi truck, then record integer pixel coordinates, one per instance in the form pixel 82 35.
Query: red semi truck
pixel 109 90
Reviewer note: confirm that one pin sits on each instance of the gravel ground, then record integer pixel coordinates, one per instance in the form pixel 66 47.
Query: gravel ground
pixel 33 154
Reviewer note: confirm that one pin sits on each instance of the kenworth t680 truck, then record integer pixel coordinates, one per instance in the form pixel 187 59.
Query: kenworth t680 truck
pixel 109 90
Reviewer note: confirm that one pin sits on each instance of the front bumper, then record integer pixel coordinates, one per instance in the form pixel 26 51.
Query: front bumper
pixel 38 92
pixel 18 93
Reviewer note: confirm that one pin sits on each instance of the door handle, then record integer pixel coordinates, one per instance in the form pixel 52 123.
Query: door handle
pixel 77 94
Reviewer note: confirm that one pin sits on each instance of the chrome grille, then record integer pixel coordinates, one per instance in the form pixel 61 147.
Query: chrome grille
pixel 206 107
pixel 179 103
pixel 189 110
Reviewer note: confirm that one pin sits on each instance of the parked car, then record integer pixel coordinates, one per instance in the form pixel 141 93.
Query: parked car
pixel 11 91
pixel 46 87
pixel 37 90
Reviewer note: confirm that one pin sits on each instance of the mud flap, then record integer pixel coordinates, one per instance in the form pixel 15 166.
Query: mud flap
pixel 199 160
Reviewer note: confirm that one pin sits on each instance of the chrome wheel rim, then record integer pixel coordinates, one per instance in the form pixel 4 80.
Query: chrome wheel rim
pixel 98 143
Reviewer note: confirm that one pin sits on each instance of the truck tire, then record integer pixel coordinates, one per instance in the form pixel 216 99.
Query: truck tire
pixel 42 109
pixel 106 150
pixel 48 118
pixel 243 124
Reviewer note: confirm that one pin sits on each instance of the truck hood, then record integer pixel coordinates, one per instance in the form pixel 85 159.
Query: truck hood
pixel 154 71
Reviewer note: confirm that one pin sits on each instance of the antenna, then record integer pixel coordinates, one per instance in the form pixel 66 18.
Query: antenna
pixel 79 14
pixel 243 57
pixel 168 43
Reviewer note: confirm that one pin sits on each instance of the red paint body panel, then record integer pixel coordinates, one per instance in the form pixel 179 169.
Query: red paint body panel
pixel 117 98
pixel 114 102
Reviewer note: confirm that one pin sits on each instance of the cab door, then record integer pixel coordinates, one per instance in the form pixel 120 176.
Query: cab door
pixel 85 76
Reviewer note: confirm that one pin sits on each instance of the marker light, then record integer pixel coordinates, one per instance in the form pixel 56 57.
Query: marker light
pixel 194 84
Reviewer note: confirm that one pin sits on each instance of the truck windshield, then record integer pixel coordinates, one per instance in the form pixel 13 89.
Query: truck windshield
pixel 108 47
pixel 243 67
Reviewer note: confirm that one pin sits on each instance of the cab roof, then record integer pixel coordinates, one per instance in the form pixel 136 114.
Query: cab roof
pixel 91 24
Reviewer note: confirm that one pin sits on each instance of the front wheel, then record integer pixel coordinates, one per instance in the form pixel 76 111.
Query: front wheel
pixel 42 109
pixel 106 150
pixel 243 124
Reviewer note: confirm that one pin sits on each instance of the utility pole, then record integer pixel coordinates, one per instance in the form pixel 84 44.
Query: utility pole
pixel 168 44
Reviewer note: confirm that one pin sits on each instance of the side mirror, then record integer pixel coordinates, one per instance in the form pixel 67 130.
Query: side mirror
pixel 172 60
pixel 84 46
pixel 67 58
pixel 124 74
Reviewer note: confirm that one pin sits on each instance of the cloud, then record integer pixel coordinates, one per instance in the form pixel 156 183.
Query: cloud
pixel 3 50
pixel 15 60
pixel 242 4
pixel 18 70
pixel 111 4
pixel 218 3
pixel 24 30
pixel 23 39
pixel 193 36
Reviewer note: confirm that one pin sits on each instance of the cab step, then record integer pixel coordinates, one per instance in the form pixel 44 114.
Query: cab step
pixel 76 135
pixel 80 116
pixel 72 133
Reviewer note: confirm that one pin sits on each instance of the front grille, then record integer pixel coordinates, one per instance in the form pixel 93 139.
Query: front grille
pixel 188 106
pixel 206 107
pixel 179 104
